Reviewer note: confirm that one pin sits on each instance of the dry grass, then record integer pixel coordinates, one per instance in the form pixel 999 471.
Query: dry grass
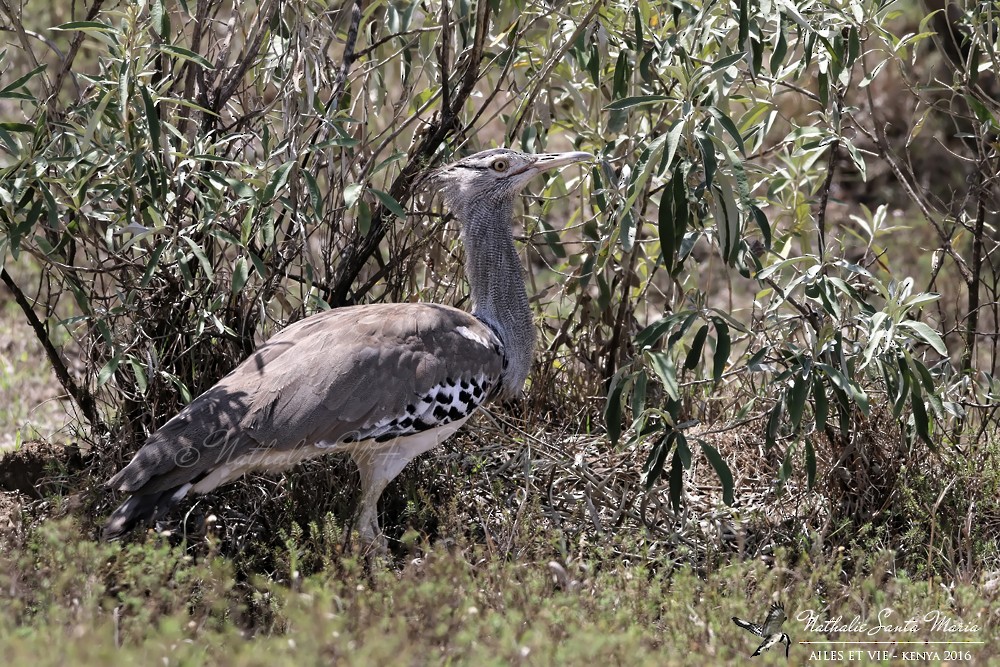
pixel 32 404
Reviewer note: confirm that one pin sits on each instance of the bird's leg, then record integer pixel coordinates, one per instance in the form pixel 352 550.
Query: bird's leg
pixel 378 465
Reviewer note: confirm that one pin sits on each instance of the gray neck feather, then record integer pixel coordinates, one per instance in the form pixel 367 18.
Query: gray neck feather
pixel 498 294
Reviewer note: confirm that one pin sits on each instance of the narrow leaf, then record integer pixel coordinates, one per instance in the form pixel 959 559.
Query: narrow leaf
pixel 676 481
pixel 186 54
pixel 927 334
pixel 663 365
pixel 723 345
pixel 810 464
pixel 108 370
pixel 641 100
pixel 613 407
pixel 721 469
pixel 199 254
pixel 241 272
pixel 694 354
pixel 390 203
pixel 351 194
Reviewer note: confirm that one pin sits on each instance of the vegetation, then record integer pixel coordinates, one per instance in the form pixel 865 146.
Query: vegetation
pixel 769 318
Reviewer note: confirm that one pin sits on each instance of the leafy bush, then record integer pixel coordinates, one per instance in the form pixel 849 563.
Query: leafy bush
pixel 186 195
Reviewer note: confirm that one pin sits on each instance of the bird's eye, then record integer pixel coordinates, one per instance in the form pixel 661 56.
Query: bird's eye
pixel 500 165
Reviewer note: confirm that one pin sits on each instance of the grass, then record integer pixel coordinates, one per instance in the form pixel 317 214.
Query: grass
pixel 502 558
pixel 30 403
pixel 484 575
pixel 68 598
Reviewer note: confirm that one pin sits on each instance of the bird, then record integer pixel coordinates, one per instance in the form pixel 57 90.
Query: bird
pixel 381 382
pixel 769 630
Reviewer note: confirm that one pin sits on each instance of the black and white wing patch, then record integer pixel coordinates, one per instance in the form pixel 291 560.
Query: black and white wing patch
pixel 748 626
pixel 448 402
pixel 769 630
pixel 776 638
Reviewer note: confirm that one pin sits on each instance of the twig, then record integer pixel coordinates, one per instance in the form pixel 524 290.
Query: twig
pixel 542 79
pixel 356 255
pixel 83 398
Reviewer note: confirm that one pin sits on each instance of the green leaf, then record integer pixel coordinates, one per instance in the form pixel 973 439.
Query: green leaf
pixel 186 54
pixel 390 203
pixel 821 404
pixel 352 193
pixel 730 127
pixel 810 464
pixel 774 422
pixel 108 370
pixel 139 373
pixel 723 345
pixel 655 331
pixel 676 480
pixel 199 253
pixel 780 49
pixel 641 100
pixel 744 23
pixel 853 46
pixel 17 127
pixel 653 467
pixel 797 399
pixel 762 224
pixel 241 272
pixel 708 158
pixel 152 264
pixel 85 26
pixel 721 469
pixel 277 181
pixel 921 420
pixel 663 365
pixel 152 118
pixel 639 392
pixel 728 61
pixel 160 18
pixel 665 228
pixel 315 198
pixel 364 219
pixel 613 406
pixel 857 158
pixel 903 388
pixel 19 82
pixel 697 345
pixel 927 334
pixel 95 120
pixel 621 76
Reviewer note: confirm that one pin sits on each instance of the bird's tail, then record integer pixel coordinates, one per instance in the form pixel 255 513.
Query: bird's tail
pixel 142 509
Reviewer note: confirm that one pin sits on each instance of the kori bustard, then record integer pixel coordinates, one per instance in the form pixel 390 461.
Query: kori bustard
pixel 382 382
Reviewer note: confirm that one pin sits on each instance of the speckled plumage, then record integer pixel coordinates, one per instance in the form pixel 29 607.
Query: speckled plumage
pixel 383 382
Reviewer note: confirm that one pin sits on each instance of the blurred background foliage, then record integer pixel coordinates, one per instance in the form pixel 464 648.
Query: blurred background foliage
pixel 777 285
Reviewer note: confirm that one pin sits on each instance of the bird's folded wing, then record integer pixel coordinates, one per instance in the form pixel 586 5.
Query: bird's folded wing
pixel 326 378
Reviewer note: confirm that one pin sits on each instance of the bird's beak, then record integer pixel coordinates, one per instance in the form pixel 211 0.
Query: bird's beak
pixel 546 161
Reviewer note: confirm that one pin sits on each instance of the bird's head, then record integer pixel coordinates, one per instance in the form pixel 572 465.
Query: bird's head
pixel 494 176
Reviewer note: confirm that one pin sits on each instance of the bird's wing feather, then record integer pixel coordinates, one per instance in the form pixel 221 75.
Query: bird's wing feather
pixel 748 626
pixel 319 380
pixel 775 617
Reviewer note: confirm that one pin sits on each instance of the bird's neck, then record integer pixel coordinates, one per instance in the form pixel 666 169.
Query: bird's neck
pixel 498 294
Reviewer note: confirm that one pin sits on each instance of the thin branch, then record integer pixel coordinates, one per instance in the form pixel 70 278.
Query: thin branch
pixel 80 395
pixel 355 256
pixel 542 79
